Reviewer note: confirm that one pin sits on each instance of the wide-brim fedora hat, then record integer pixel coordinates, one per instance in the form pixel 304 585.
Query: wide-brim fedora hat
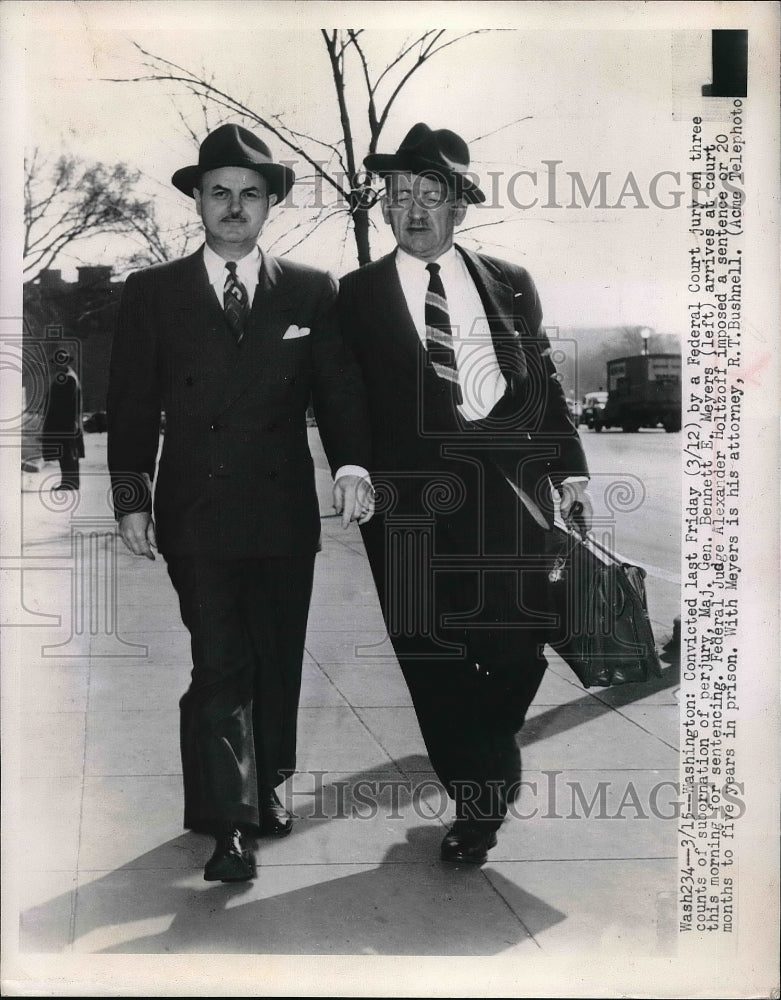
pixel 423 150
pixel 234 146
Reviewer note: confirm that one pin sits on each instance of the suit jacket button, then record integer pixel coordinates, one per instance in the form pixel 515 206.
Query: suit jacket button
pixel 273 474
pixel 214 427
pixel 189 380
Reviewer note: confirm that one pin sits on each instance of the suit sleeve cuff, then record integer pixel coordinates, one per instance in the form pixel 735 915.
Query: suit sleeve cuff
pixel 353 470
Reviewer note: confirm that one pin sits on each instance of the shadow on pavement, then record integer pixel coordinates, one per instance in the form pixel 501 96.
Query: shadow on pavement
pixel 408 903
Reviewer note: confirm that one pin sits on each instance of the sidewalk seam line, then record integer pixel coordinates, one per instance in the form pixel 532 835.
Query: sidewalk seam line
pixel 512 911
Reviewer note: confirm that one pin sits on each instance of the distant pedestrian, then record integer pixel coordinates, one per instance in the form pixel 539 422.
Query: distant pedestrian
pixel 232 344
pixel 62 434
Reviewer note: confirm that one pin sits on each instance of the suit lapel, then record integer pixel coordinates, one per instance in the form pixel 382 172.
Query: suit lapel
pixel 192 290
pixel 271 312
pixel 272 297
pixel 394 321
pixel 496 295
pixel 201 319
pixel 498 300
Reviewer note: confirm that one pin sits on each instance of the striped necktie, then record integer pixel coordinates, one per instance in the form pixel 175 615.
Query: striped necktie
pixel 235 301
pixel 439 333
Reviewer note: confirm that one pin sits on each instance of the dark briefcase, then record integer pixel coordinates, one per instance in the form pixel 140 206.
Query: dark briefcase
pixel 602 629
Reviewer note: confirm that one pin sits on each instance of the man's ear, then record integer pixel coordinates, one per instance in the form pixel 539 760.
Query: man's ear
pixel 385 208
pixel 197 196
pixel 272 200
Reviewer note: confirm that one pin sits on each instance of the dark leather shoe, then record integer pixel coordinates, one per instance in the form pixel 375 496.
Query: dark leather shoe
pixel 468 841
pixel 274 819
pixel 230 863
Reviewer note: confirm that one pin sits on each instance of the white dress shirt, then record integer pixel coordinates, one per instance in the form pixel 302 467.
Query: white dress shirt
pixel 248 271
pixel 479 375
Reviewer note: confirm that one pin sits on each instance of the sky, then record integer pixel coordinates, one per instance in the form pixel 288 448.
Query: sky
pixel 525 95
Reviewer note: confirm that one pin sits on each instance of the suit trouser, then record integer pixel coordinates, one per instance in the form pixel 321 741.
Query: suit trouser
pixel 247 622
pixel 69 467
pixel 67 453
pixel 471 698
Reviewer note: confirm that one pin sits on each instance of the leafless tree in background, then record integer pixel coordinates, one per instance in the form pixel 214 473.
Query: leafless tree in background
pixel 68 200
pixel 336 165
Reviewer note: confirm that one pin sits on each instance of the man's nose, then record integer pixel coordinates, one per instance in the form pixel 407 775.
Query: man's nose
pixel 416 211
pixel 235 204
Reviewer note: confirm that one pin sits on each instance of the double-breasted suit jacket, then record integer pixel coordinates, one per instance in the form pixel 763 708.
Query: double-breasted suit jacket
pixel 235 473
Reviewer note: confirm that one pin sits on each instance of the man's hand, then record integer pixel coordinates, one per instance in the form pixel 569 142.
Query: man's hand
pixel 353 499
pixel 576 508
pixel 138 533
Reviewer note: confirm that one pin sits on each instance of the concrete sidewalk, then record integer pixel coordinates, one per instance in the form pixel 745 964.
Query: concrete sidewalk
pixel 588 864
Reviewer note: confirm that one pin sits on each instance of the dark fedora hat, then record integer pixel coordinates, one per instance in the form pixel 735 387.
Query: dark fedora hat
pixel 425 151
pixel 234 146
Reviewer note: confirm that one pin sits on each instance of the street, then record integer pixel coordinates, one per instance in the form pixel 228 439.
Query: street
pixel 636 486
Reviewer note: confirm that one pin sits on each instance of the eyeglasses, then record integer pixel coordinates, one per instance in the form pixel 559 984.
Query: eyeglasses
pixel 426 199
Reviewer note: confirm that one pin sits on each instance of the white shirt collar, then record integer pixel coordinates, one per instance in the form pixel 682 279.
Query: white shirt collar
pixel 215 265
pixel 407 262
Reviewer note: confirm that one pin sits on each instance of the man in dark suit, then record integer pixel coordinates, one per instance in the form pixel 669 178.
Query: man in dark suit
pixel 231 344
pixel 62 435
pixel 470 432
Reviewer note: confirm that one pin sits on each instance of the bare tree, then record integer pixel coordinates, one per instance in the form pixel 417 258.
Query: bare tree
pixel 157 244
pixel 71 200
pixel 336 166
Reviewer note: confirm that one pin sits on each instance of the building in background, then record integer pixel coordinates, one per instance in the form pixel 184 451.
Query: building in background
pixel 77 316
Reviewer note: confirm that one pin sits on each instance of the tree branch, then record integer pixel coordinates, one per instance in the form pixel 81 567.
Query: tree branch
pixel 422 57
pixel 320 142
pixel 371 107
pixel 337 72
pixel 399 58
pixel 316 226
pixel 199 86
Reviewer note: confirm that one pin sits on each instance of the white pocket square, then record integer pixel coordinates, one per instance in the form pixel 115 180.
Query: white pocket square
pixel 296 331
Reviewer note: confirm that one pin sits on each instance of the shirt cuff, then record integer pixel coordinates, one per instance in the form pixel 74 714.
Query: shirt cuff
pixel 575 479
pixel 353 470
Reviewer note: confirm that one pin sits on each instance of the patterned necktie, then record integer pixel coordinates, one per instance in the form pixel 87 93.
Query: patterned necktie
pixel 439 333
pixel 235 301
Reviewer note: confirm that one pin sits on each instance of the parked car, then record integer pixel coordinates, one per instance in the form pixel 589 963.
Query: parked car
pixel 574 408
pixel 593 405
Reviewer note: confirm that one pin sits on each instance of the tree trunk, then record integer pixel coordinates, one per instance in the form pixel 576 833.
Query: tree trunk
pixel 361 232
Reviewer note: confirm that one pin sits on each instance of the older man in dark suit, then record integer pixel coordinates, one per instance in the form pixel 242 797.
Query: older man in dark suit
pixel 467 416
pixel 232 344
